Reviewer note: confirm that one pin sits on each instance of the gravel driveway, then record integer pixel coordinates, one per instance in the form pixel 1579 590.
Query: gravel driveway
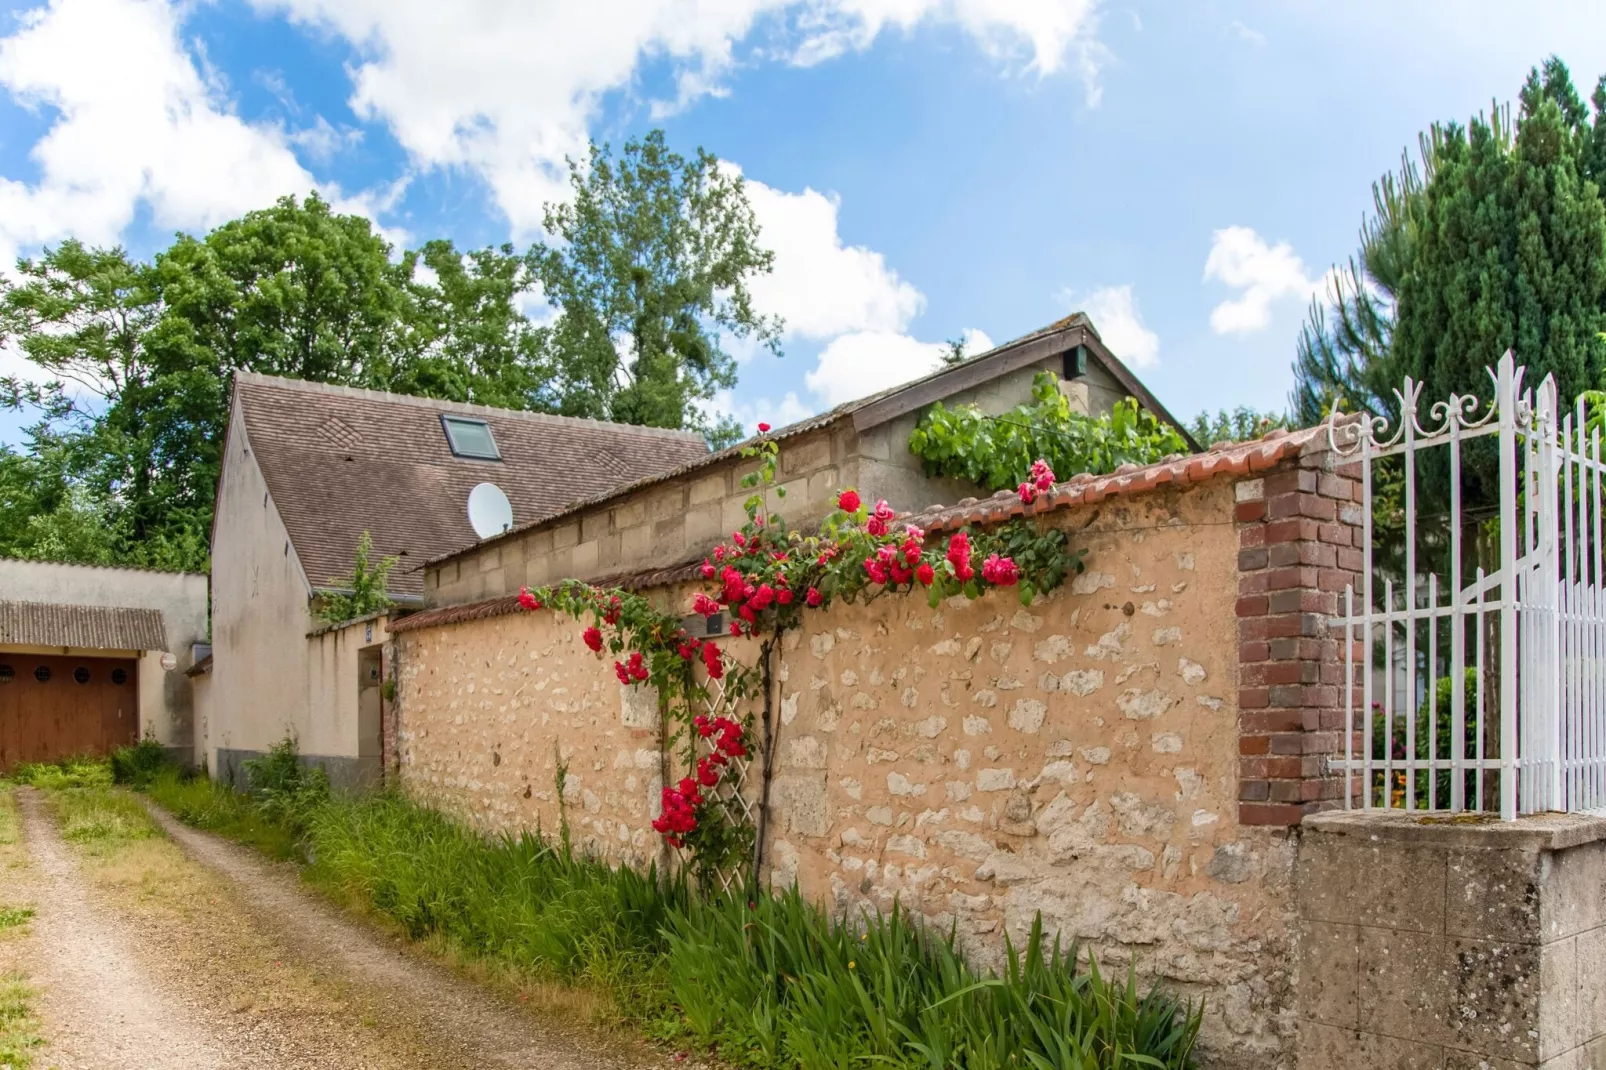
pixel 207 955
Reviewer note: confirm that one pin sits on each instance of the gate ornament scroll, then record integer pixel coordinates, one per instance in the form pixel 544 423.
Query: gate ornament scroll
pixel 1478 690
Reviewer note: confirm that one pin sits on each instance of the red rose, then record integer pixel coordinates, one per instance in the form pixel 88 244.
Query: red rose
pixel 848 502
pixel 814 598
pixel 1001 571
pixel 708 569
pixel 1028 493
pixel 763 429
pixel 712 661
pixel 925 574
pixel 593 638
pixel 620 671
pixel 528 600
pixel 704 605
pixel 1042 474
pixel 784 596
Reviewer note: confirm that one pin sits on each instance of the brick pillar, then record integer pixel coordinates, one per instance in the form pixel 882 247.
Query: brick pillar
pixel 1299 541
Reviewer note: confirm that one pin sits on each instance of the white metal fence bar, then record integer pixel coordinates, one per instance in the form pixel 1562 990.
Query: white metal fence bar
pixel 1519 723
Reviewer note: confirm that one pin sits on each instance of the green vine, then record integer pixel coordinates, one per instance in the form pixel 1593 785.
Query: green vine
pixel 766 577
pixel 997 451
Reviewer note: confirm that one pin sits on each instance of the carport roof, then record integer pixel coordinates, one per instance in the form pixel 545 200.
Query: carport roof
pixel 92 627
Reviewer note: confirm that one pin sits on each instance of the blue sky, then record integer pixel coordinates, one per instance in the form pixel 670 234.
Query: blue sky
pixel 924 169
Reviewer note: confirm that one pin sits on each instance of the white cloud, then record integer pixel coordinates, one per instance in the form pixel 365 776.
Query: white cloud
pixel 1241 259
pixel 1248 33
pixel 750 414
pixel 136 122
pixel 867 361
pixel 509 90
pixel 1114 311
pixel 821 287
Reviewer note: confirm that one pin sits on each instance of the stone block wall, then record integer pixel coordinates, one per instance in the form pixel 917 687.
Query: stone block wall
pixel 1437 942
pixel 1081 757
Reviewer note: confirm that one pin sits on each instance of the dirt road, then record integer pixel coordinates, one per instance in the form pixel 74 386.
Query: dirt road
pixel 195 953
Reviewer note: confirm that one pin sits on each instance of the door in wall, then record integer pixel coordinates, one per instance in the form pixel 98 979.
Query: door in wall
pixel 58 707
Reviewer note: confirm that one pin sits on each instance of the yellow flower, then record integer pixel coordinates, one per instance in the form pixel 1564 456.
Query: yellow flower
pixel 852 964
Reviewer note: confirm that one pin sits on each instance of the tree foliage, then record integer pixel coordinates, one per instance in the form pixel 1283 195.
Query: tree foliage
pixel 361 593
pixel 651 260
pixel 1238 425
pixel 653 263
pixel 1493 239
pixel 997 451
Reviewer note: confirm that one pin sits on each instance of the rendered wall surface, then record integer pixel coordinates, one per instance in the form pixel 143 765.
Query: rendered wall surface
pixel 1427 942
pixel 982 761
pixel 165 700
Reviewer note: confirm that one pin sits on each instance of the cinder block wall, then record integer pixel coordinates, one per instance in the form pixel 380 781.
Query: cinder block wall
pixel 1427 942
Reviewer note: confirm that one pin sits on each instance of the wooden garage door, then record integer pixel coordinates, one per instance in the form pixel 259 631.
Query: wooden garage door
pixel 55 707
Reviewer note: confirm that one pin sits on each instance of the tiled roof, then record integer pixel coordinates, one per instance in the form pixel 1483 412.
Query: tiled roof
pixel 340 461
pixel 93 627
pixel 1240 459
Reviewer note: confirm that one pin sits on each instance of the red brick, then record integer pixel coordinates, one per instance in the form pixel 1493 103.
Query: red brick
pixel 1334 486
pixel 1252 606
pixel 1290 481
pixel 1348 470
pixel 1266 813
pixel 1302 600
pixel 1252 698
pixel 1270 767
pixel 1254 745
pixel 1290 791
pixel 1280 579
pixel 1335 580
pixel 1337 534
pixel 1250 560
pixel 1252 536
pixel 1291 530
pixel 1323 743
pixel 1288 743
pixel 1258 650
pixel 1278 672
pixel 1249 512
pixel 1253 790
pixel 1265 721
pixel 1252 582
pixel 1301 553
pixel 1352 560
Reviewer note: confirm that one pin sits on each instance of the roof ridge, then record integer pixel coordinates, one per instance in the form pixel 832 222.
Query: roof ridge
pixel 111 568
pixel 420 401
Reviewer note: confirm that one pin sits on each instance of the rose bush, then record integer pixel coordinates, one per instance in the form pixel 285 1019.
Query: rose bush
pixel 765 577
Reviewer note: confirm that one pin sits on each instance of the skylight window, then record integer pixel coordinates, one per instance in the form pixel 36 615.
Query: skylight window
pixel 470 438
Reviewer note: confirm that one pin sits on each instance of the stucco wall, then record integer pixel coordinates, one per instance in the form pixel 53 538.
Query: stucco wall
pixel 260 618
pixel 165 703
pixel 982 761
pixel 681 517
pixel 338 735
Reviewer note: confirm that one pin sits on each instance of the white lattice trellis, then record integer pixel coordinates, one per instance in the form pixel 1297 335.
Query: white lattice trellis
pixel 729 794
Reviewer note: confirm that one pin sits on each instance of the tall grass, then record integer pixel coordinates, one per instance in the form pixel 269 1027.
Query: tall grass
pixel 767 981
pixel 101 816
pixel 19 1029
pixel 82 772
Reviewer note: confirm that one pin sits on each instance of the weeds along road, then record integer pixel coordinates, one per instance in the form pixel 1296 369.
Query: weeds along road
pixel 155 946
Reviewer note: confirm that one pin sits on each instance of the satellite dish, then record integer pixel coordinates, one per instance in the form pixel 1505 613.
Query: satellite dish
pixel 488 510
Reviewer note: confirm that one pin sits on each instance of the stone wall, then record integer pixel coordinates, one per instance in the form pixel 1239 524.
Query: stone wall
pixel 1081 757
pixel 1449 942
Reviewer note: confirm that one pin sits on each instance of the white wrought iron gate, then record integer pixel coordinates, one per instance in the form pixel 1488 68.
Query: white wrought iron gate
pixel 1465 688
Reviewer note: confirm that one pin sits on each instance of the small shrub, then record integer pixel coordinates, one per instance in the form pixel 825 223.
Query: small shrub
pixel 137 765
pixel 285 789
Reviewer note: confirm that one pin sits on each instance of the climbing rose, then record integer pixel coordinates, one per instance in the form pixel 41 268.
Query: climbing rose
pixel 883 511
pixel 784 596
pixel 712 661
pixel 593 638
pixel 813 598
pixel 528 600
pixel 911 550
pixel 876 571
pixel 875 526
pixel 704 605
pixel 899 573
pixel 707 772
pixel 925 574
pixel 620 671
pixel 848 502
pixel 1028 493
pixel 762 597
pixel 959 556
pixel 708 569
pixel 637 667
pixel 1042 474
pixel 704 727
pixel 763 429
pixel 1001 571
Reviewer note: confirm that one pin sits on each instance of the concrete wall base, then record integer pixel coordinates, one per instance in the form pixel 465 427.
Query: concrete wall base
pixel 1451 942
pixel 345 774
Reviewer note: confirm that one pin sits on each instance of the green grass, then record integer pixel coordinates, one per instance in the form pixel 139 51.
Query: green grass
pixel 8 816
pixel 65 773
pixel 11 917
pixel 19 1034
pixel 204 804
pixel 101 817
pixel 768 983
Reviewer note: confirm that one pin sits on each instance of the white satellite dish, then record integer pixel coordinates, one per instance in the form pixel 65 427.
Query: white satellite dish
pixel 489 512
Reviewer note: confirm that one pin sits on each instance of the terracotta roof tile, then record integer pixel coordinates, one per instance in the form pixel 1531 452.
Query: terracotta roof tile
pixel 339 461
pixel 93 627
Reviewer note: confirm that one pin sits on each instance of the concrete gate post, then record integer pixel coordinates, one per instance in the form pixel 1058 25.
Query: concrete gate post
pixel 1451 942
